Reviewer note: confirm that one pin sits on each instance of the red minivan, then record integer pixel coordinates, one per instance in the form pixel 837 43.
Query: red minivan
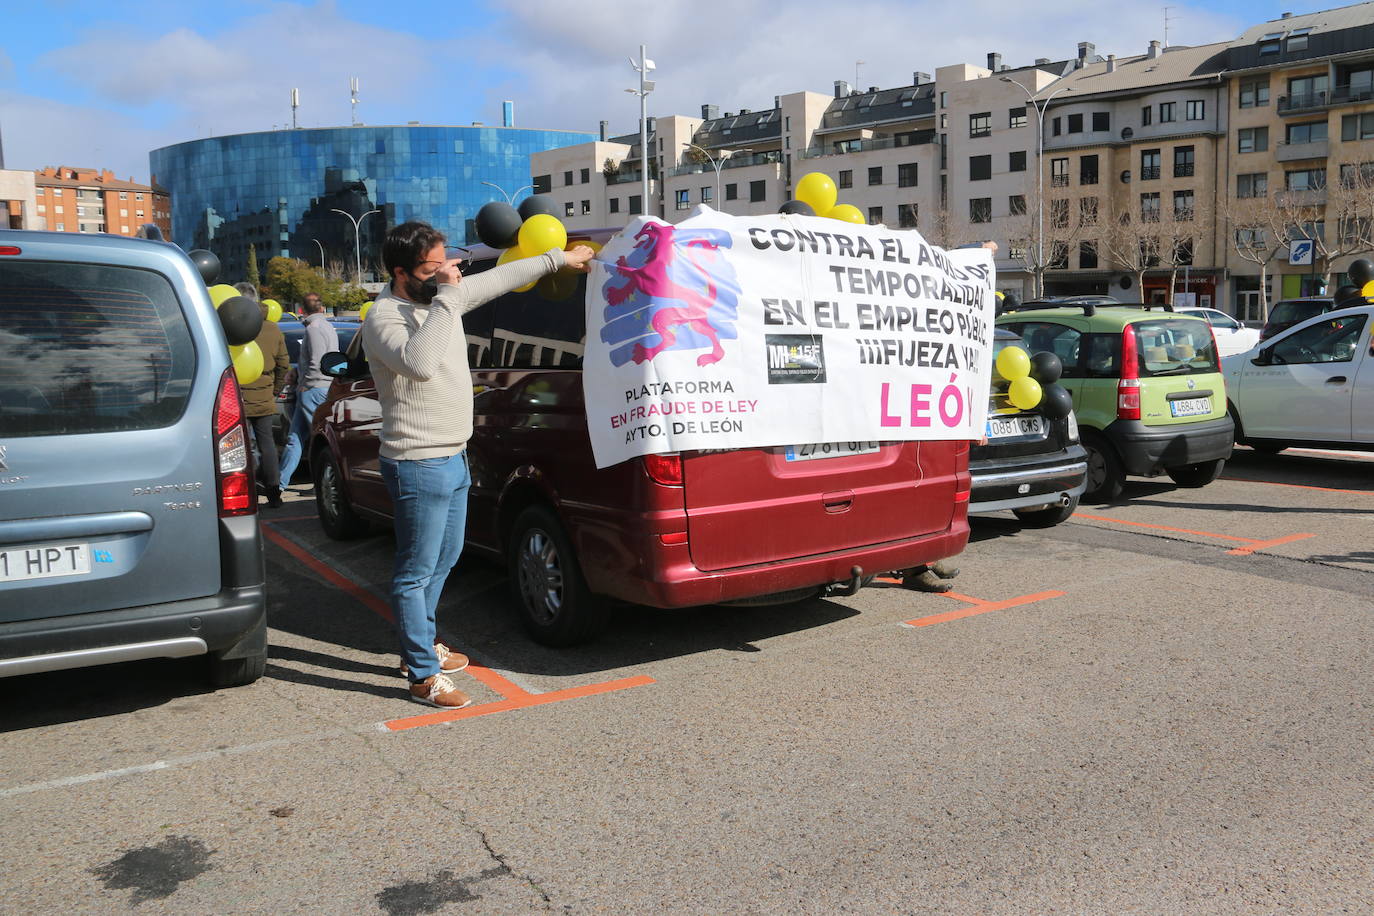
pixel 747 526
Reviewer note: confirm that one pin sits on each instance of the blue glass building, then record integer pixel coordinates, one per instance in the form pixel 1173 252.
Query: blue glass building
pixel 277 190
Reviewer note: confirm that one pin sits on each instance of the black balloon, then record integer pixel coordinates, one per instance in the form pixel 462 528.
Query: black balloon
pixel 206 263
pixel 1055 401
pixel 1008 303
pixel 1046 367
pixel 241 319
pixel 539 203
pixel 498 224
pixel 1361 271
pixel 797 208
pixel 1349 294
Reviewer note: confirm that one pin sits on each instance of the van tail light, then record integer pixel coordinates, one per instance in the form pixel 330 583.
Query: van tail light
pixel 10 249
pixel 233 457
pixel 1128 389
pixel 664 470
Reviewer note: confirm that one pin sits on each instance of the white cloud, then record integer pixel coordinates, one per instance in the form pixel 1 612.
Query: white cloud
pixel 41 132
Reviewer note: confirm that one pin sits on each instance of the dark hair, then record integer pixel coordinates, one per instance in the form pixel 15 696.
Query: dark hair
pixel 406 245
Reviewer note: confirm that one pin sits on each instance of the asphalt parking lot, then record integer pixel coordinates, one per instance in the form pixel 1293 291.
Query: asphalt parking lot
pixel 1161 706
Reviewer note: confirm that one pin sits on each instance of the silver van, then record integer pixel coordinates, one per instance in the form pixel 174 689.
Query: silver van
pixel 128 507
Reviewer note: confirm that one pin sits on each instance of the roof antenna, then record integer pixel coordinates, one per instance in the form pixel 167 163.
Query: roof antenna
pixel 353 91
pixel 295 103
pixel 1167 19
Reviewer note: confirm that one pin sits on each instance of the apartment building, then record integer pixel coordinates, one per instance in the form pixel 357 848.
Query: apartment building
pixel 93 200
pixel 18 203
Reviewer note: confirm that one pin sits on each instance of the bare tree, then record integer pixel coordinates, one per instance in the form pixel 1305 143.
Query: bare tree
pixel 1251 224
pixel 1310 212
pixel 1132 241
pixel 1065 223
pixel 1180 232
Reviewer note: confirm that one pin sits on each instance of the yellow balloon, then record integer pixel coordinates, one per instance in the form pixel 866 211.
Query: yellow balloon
pixel 247 361
pixel 362 313
pixel 556 286
pixel 1000 295
pixel 273 309
pixel 1024 392
pixel 516 254
pixel 573 243
pixel 1013 363
pixel 816 189
pixel 1368 289
pixel 541 232
pixel 847 213
pixel 220 292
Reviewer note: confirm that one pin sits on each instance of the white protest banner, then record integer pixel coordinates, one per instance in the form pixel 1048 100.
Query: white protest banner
pixel 731 332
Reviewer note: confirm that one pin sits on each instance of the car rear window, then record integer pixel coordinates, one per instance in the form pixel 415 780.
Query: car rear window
pixel 541 328
pixel 88 348
pixel 1293 312
pixel 1174 346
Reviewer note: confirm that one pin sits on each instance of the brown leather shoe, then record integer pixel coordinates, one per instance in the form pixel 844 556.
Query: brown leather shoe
pixel 450 662
pixel 439 691
pixel 924 579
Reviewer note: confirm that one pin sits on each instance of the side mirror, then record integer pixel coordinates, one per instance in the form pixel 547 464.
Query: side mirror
pixel 1264 357
pixel 342 366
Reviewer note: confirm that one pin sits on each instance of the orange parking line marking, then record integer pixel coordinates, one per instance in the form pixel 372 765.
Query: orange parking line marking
pixel 1273 542
pixel 1122 521
pixel 979 606
pixel 479 673
pixel 1300 486
pixel 525 702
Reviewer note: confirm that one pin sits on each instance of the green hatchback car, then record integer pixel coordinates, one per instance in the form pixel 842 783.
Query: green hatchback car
pixel 1147 389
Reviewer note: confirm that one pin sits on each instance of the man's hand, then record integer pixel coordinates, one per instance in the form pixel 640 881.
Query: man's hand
pixel 449 272
pixel 577 258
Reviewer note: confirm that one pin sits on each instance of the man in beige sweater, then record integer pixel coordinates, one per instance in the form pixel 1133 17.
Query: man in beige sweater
pixel 414 341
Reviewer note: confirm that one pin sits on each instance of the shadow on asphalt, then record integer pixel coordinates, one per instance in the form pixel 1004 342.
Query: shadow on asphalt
pixel 56 697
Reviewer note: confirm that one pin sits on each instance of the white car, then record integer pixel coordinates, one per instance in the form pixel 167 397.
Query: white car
pixel 1311 384
pixel 1232 336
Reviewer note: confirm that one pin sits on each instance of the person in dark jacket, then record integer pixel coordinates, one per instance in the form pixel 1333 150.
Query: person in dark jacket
pixel 260 404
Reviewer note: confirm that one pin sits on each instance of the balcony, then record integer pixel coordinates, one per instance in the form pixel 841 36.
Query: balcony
pixel 1308 197
pixel 1314 101
pixel 842 147
pixel 1059 181
pixel 1149 173
pixel 733 162
pixel 1292 152
pixel 1183 170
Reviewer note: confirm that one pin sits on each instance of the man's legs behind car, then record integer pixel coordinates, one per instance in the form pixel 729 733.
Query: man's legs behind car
pixel 306 403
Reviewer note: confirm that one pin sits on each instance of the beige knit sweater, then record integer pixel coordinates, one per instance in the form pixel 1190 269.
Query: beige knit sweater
pixel 419 359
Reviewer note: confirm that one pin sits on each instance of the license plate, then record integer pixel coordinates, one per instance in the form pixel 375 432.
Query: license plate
pixel 816 450
pixel 1009 427
pixel 44 561
pixel 1190 407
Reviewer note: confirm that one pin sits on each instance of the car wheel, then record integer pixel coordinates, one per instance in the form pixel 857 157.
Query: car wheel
pixel 1196 475
pixel 244 670
pixel 1105 475
pixel 556 608
pixel 1046 518
pixel 337 517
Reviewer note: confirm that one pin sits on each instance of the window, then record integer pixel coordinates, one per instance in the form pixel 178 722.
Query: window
pixel 684 199
pixel 123 195
pixel 1149 164
pixel 732 191
pixel 1250 238
pixel 1270 43
pixel 1016 161
pixel 1168 112
pixel 875 216
pixel 944 121
pixel 1016 117
pixel 758 191
pixel 1252 139
pixel 1183 162
pixel 1305 180
pixel 906 175
pixel 636 204
pixel 1054 338
pixel 944 99
pixel 875 175
pixel 1147 115
pixel 1059 173
pixel 1358 127
pixel 846 178
pixel 1149 207
pixel 614 206
pixel 980 124
pixel 1087 255
pixel 542 184
pixel 1087 170
pixel 1194 110
pixel 567 177
pixel 1087 211
pixel 138 196
pixel 1297 40
pixel 586 175
pixel 1253 184
pixel 139 213
pixel 906 216
pixel 1016 204
pixel 1057 126
pixel 1102 120
pixel 1304 91
pixel 1075 123
pixel 1059 214
pixel 61 227
pixel 57 209
pixel 1254 93
pixel 124 213
pixel 1308 132
pixel 1361 176
pixel 568 208
pixel 1016 249
pixel 980 210
pixel 1183 206
pixel 1059 256
pixel 706 193
pixel 979 168
pixel 1324 342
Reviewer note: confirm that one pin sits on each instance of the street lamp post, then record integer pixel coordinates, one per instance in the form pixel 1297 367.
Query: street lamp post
pixel 644 66
pixel 321 247
pixel 716 163
pixel 1039 175
pixel 510 198
pixel 357 243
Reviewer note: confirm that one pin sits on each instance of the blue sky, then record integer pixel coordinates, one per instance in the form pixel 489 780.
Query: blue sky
pixel 190 68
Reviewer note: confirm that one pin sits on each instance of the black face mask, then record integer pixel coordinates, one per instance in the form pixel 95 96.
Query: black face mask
pixel 421 291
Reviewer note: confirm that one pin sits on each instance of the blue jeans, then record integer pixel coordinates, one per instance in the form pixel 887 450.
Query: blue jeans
pixel 430 507
pixel 307 402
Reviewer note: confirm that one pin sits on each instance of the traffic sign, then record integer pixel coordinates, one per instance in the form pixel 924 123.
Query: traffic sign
pixel 1300 252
